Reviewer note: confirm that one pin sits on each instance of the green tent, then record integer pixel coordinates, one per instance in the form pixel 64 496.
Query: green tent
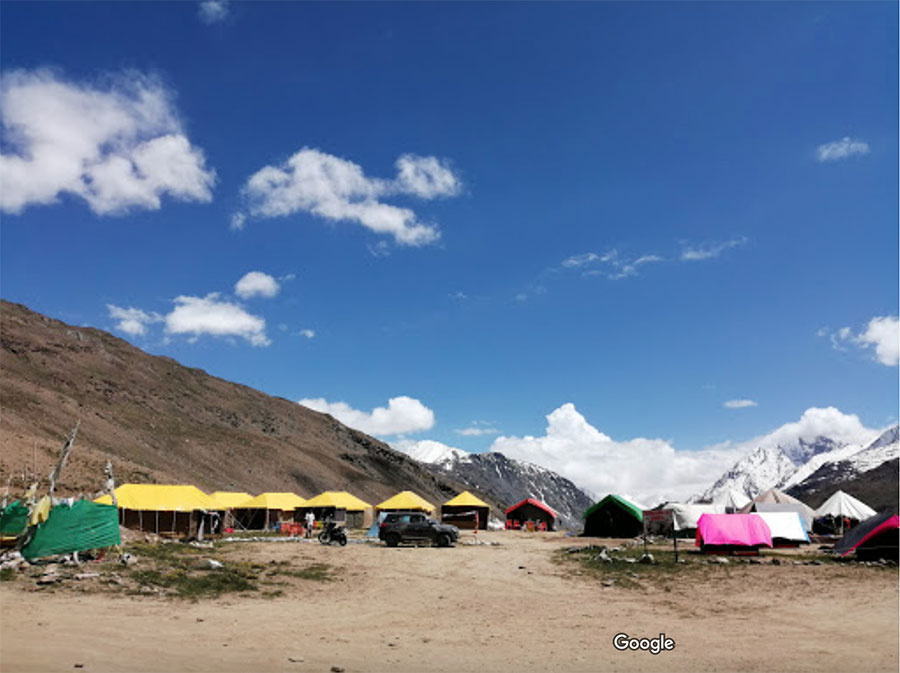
pixel 84 525
pixel 614 516
pixel 13 519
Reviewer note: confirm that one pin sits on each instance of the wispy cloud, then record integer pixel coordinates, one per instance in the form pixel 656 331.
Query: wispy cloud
pixel 703 251
pixel 312 181
pixel 118 146
pixel 739 404
pixel 477 429
pixel 213 11
pixel 881 334
pixel 307 333
pixel 610 264
pixel 841 149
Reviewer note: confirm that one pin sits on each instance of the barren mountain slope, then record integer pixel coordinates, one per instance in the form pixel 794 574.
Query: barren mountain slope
pixel 162 422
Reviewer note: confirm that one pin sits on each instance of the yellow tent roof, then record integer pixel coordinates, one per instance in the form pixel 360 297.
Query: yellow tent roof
pixel 160 498
pixel 466 499
pixel 282 501
pixel 339 500
pixel 230 499
pixel 406 500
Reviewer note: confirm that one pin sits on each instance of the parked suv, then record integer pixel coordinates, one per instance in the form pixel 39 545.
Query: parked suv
pixel 400 527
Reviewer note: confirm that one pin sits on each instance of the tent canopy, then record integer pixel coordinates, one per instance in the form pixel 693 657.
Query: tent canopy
pixel 338 500
pixel 785 525
pixel 731 499
pixel 775 497
pixel 281 501
pixel 843 505
pixel 686 516
pixel 532 501
pixel 740 530
pixel 867 530
pixel 629 507
pixel 406 500
pixel 230 499
pixel 160 498
pixel 466 499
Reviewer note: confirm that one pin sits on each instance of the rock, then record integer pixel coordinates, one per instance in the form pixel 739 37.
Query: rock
pixel 776 562
pixel 603 556
pixel 337 669
pixel 295 660
pixel 608 583
pixel 212 564
pixel 647 558
pixel 755 562
pixel 86 576
pixel 630 559
pixel 49 578
pixel 128 560
pixel 815 562
pixel 719 560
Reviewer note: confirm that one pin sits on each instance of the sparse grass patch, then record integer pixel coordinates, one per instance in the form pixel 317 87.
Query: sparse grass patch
pixel 7 575
pixel 633 575
pixel 194 585
pixel 316 572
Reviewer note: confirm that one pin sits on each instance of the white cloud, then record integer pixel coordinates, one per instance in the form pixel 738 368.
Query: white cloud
pixel 815 422
pixel 197 316
pixel 739 404
pixel 132 321
pixel 237 221
pixel 458 296
pixel 402 415
pixel 476 431
pixel 308 333
pixel 882 333
pixel 322 184
pixel 117 146
pixel 213 11
pixel 841 149
pixel 609 264
pixel 649 470
pixel 256 284
pixel 710 250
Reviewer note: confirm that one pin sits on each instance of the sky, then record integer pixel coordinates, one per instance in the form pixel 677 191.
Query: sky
pixel 581 233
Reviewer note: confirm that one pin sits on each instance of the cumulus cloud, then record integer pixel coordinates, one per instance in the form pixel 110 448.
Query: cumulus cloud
pixel 841 149
pixel 402 415
pixel 213 11
pixel 308 333
pixel 327 186
pixel 652 470
pixel 118 146
pixel 132 321
pixel 739 404
pixel 881 334
pixel 198 316
pixel 609 264
pixel 256 284
pixel 710 250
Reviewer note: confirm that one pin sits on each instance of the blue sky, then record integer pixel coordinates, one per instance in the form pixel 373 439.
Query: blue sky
pixel 645 210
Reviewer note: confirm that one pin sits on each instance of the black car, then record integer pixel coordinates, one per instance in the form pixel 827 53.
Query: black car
pixel 400 527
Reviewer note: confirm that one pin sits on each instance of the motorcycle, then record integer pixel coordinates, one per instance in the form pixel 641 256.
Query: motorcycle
pixel 333 533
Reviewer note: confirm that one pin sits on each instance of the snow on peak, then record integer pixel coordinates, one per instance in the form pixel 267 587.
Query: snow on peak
pixel 429 451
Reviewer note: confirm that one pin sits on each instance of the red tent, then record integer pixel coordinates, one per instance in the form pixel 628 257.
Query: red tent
pixel 533 510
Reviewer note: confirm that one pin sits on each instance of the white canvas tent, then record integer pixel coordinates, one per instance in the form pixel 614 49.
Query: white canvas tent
pixel 787 526
pixel 842 505
pixel 686 516
pixel 731 500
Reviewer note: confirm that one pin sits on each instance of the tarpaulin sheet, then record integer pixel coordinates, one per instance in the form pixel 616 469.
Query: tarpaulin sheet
pixel 13 519
pixel 84 525
pixel 785 525
pixel 745 530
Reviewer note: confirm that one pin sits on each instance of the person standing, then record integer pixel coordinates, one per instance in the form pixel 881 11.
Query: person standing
pixel 310 522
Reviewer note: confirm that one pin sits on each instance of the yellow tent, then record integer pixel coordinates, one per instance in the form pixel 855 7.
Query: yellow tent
pixel 406 500
pixel 286 502
pixel 160 498
pixel 338 500
pixel 230 499
pixel 466 499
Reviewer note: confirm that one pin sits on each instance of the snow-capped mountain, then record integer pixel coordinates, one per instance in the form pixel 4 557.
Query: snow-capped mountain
pixel 506 480
pixel 790 465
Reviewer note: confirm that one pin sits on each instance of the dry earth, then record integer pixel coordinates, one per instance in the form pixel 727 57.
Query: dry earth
pixel 470 608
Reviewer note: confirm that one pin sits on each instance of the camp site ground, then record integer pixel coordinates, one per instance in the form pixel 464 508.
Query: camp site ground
pixel 498 601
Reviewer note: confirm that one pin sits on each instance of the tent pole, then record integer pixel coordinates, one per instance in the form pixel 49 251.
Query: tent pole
pixel 157 522
pixel 141 519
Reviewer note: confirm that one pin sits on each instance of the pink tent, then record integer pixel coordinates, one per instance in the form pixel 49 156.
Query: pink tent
pixel 736 530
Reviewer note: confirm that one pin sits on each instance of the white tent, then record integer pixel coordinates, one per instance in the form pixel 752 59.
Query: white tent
pixel 686 516
pixel 732 500
pixel 842 505
pixel 785 525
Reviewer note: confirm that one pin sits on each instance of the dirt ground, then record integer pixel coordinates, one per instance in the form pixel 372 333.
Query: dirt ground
pixel 513 607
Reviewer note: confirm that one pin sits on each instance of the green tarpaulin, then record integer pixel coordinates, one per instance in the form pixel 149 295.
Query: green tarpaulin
pixel 13 519
pixel 84 525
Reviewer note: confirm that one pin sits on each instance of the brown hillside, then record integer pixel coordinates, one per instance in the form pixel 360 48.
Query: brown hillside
pixel 161 422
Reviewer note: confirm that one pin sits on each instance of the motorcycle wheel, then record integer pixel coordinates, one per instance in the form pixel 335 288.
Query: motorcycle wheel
pixel 323 538
pixel 342 540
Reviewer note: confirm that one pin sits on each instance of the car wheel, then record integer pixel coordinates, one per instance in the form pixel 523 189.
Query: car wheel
pixel 443 540
pixel 392 539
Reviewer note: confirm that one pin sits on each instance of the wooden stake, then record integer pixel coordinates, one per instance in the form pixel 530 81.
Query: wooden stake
pixel 64 456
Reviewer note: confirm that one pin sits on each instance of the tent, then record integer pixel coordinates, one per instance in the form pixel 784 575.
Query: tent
pixel 787 528
pixel 731 500
pixel 541 516
pixel 340 506
pixel 164 509
pixel 774 500
pixel 686 516
pixel 732 533
pixel 839 507
pixel 403 501
pixel 267 509
pixel 228 500
pixel 72 528
pixel 873 539
pixel 613 516
pixel 466 511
